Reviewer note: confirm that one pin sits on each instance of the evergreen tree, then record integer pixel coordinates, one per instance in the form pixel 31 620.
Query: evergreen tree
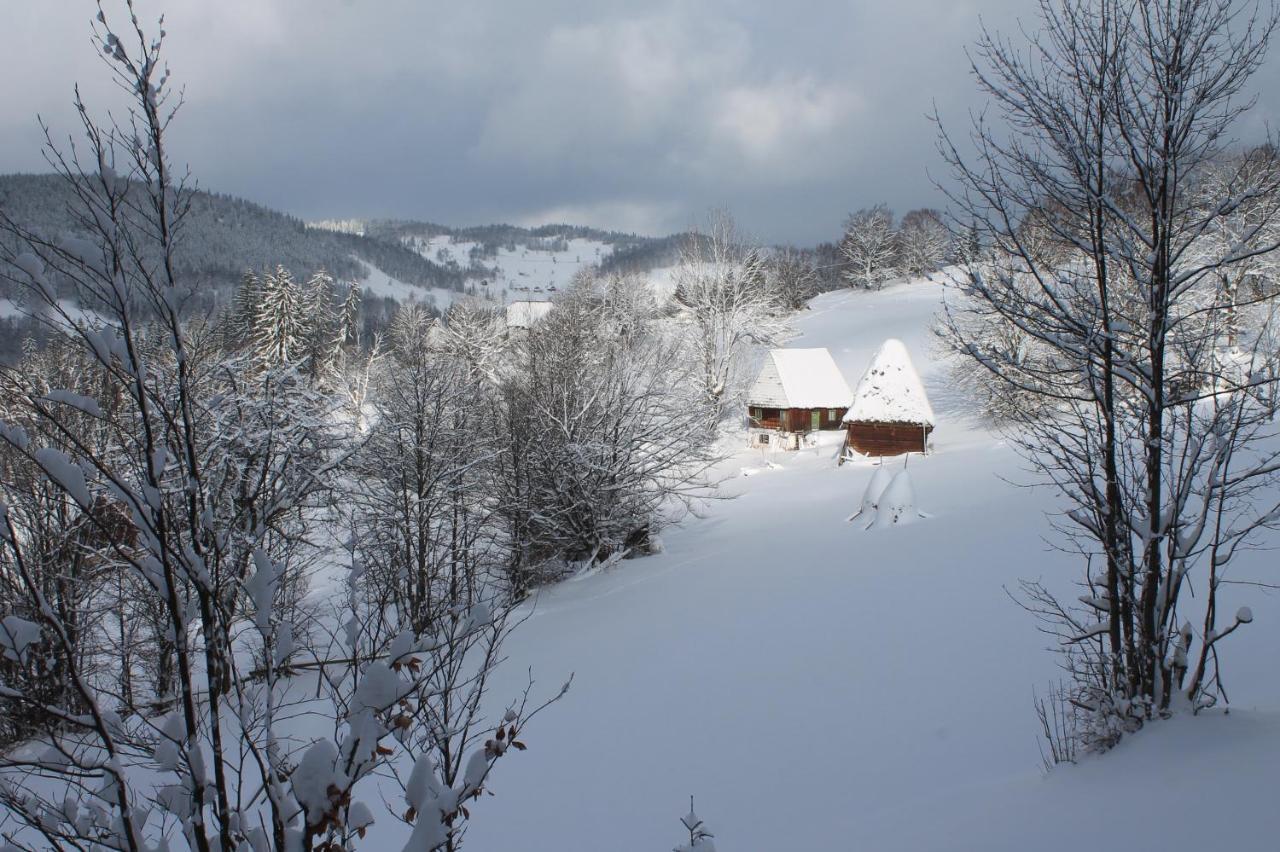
pixel 277 326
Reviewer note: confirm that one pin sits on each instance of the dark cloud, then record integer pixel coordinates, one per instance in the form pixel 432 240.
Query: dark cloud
pixel 622 114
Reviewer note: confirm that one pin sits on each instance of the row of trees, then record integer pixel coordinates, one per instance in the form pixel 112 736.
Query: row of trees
pixel 875 249
pixel 1123 326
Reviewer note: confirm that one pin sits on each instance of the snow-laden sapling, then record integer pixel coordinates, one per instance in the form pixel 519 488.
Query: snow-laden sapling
pixel 700 837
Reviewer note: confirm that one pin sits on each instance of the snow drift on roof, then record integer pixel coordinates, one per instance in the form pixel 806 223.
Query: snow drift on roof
pixel 799 378
pixel 524 314
pixel 890 390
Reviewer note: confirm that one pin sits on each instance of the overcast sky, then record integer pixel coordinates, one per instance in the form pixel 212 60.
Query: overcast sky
pixel 632 115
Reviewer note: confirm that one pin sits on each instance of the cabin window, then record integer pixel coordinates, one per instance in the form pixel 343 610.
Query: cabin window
pixel 832 415
pixel 763 439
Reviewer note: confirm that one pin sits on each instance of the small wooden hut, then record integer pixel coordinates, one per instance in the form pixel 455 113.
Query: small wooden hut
pixel 797 391
pixel 890 414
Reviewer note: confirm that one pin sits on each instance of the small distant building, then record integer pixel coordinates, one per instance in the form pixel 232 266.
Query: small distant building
pixel 797 391
pixel 890 414
pixel 526 313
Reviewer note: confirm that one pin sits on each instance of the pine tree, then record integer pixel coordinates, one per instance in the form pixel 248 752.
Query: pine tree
pixel 318 326
pixel 277 329
pixel 244 312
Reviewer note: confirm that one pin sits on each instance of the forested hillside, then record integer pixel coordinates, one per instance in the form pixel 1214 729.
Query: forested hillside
pixel 225 236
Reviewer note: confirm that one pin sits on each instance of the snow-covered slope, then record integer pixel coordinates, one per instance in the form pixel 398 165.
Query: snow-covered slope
pixel 819 686
pixel 521 273
pixel 379 283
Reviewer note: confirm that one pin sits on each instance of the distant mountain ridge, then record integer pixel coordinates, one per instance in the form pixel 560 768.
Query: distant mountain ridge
pixel 224 237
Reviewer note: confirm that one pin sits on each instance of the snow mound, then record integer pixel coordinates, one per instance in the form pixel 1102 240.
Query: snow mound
pixel 875 489
pixel 799 378
pixel 897 505
pixel 890 391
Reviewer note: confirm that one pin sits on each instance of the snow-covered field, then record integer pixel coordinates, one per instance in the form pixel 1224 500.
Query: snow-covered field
pixel 818 686
pixel 525 273
pixel 379 283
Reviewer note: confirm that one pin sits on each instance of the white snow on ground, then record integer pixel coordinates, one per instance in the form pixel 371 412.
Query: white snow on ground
pixel 10 308
pixel 379 283
pixel 890 390
pixel 525 273
pixel 818 688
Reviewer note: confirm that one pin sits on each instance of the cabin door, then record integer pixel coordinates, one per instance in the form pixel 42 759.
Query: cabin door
pixel 815 420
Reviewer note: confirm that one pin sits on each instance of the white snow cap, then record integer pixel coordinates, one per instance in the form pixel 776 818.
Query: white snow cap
pixel 890 390
pixel 799 378
pixel 524 314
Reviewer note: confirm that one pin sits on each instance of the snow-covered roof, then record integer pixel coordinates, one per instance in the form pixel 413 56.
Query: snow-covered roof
pixel 524 314
pixel 890 391
pixel 799 378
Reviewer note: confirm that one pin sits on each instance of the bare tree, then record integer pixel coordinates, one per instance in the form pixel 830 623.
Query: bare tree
pixel 723 293
pixel 1102 290
pixel 793 275
pixel 606 430
pixel 870 247
pixel 924 242
pixel 171 470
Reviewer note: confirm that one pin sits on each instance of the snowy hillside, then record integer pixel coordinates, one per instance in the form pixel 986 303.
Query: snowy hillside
pixel 380 284
pixel 516 271
pixel 818 686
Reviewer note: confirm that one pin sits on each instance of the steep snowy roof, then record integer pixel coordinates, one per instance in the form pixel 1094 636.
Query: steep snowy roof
pixel 799 378
pixel 890 390
pixel 524 314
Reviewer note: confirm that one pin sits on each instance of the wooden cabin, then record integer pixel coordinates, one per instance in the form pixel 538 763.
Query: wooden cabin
pixel 890 414
pixel 797 391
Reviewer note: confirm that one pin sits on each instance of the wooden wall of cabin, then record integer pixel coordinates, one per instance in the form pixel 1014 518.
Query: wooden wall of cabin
pixel 887 439
pixel 794 419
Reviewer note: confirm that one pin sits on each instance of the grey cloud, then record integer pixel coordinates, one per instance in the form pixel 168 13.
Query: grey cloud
pixel 633 115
